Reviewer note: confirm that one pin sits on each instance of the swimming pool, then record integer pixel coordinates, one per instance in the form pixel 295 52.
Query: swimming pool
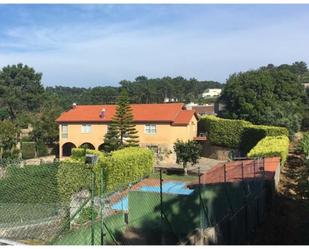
pixel 178 188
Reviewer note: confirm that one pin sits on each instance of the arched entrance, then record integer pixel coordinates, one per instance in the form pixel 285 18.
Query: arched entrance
pixel 67 149
pixel 101 147
pixel 87 146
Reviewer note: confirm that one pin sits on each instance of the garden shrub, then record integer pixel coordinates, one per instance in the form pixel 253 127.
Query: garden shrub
pixel 126 166
pixel 252 134
pixel 72 177
pixel 235 133
pixel 271 146
pixel 224 132
pixel 304 145
pixel 86 214
pixel 79 154
pixel 41 149
pixel 28 150
pixel 120 168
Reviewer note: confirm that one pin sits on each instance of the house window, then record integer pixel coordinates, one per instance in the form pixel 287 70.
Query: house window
pixel 64 131
pixel 86 128
pixel 154 148
pixel 150 129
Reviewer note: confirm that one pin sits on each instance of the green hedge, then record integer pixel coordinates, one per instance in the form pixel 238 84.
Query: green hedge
pixel 252 134
pixel 120 168
pixel 28 150
pixel 72 177
pixel 79 154
pixel 271 146
pixel 225 132
pixel 125 166
pixel 41 149
pixel 235 133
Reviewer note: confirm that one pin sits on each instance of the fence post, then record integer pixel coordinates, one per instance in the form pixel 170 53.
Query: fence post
pixel 224 171
pixel 102 205
pixel 242 171
pixel 161 208
pixel 92 206
pixel 200 197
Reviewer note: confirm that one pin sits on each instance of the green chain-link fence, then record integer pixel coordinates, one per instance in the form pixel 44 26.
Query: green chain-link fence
pixel 159 209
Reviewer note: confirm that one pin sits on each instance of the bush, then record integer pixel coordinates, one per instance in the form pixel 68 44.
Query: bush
pixel 28 150
pixel 79 154
pixel 225 132
pixel 120 168
pixel 304 145
pixel 252 134
pixel 235 133
pixel 86 214
pixel 125 166
pixel 72 177
pixel 271 146
pixel 41 149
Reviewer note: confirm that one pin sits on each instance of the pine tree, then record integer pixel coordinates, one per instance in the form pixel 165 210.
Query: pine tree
pixel 124 121
pixel 111 139
pixel 121 132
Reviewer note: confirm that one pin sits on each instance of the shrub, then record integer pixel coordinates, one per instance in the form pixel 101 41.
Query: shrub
pixel 235 133
pixel 41 149
pixel 252 134
pixel 125 166
pixel 271 146
pixel 304 145
pixel 120 168
pixel 79 154
pixel 86 214
pixel 187 152
pixel 28 150
pixel 72 177
pixel 225 132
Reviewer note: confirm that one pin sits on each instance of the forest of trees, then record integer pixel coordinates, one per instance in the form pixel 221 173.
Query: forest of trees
pixel 142 90
pixel 271 95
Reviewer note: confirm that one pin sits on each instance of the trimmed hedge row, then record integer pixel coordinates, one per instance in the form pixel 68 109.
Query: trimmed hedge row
pixel 225 132
pixel 271 146
pixel 72 177
pixel 120 168
pixel 254 133
pixel 235 133
pixel 127 165
pixel 28 150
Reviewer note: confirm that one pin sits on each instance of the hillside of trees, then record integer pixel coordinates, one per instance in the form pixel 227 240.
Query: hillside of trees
pixel 142 90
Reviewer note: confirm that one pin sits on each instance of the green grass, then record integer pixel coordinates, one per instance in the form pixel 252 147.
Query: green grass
pixel 175 177
pixel 82 235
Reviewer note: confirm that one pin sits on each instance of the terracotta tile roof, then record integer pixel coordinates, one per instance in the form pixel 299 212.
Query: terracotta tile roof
pixel 171 113
pixel 204 109
pixel 184 117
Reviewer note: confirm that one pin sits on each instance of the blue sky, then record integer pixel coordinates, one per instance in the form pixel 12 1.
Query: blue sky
pixel 90 45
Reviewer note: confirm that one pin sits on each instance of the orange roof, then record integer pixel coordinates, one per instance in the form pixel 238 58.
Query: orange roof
pixel 170 113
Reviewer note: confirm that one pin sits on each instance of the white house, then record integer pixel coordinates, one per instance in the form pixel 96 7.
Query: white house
pixel 211 93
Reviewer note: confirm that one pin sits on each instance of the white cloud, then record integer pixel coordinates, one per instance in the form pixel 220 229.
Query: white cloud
pixel 89 54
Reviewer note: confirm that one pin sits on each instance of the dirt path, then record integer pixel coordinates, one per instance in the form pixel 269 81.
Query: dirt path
pixel 287 223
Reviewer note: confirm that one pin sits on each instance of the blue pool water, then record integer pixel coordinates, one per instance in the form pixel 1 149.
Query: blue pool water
pixel 178 188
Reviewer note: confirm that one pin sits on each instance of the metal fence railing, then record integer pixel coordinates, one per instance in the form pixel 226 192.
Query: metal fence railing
pixel 159 209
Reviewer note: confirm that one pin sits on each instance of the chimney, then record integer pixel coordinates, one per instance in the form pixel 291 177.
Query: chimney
pixel 74 105
pixel 102 113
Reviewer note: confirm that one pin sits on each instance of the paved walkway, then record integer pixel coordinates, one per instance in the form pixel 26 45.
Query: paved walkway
pixel 205 164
